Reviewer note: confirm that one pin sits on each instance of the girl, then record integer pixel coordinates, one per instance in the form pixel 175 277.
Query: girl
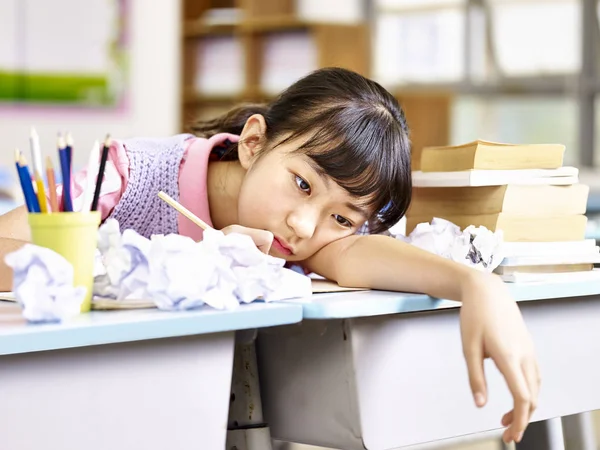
pixel 302 176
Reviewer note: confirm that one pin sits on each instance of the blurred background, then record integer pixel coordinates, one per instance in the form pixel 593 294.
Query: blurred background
pixel 517 71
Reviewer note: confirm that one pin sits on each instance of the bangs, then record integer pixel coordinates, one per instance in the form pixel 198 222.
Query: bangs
pixel 368 155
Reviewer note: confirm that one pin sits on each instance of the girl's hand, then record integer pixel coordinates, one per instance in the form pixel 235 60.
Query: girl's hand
pixel 492 326
pixel 262 238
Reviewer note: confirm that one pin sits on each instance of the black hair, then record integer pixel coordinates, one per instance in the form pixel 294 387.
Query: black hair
pixel 357 134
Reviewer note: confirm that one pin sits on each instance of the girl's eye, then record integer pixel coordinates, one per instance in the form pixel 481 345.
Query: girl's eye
pixel 342 221
pixel 302 184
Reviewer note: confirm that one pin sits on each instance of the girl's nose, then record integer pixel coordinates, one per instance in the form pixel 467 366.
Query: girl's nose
pixel 303 222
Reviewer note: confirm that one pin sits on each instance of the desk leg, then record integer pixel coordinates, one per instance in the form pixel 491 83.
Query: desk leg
pixel 544 435
pixel 246 429
pixel 579 431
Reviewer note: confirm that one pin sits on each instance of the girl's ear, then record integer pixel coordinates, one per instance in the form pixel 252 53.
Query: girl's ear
pixel 251 139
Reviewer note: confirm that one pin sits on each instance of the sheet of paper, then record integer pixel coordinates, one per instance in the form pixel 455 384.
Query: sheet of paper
pixel 323 286
pixel 559 177
pixel 99 303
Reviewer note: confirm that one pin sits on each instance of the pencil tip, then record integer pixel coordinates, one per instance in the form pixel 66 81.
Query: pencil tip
pixel 33 133
pixel 69 139
pixel 60 141
pixel 107 141
pixel 17 155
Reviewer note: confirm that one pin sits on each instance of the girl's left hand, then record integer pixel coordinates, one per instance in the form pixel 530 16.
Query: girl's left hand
pixel 492 326
pixel 262 238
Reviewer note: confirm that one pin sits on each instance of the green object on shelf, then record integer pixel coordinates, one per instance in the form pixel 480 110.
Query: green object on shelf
pixel 57 88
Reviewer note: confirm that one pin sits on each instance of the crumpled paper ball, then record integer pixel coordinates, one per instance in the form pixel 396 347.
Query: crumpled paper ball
pixel 476 247
pixel 43 284
pixel 178 274
pixel 121 268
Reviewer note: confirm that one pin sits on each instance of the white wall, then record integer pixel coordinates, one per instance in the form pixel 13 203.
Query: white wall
pixel 153 110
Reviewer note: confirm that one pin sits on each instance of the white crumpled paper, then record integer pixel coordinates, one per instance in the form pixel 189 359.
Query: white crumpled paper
pixel 43 284
pixel 177 273
pixel 121 266
pixel 476 247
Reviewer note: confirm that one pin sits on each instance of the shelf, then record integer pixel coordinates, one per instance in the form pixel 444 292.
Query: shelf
pixel 419 8
pixel 194 98
pixel 194 28
pixel 251 34
pixel 275 23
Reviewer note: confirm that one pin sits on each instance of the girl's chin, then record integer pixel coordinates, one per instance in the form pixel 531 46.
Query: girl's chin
pixel 288 258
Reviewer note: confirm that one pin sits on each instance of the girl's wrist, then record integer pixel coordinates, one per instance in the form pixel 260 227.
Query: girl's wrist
pixel 472 280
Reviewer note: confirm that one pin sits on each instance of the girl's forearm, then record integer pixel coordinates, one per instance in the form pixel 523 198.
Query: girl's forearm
pixel 382 262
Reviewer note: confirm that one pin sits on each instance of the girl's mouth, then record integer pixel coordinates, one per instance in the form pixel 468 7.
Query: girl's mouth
pixel 281 247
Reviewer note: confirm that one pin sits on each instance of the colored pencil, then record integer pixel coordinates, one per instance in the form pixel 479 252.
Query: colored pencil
pixel 92 168
pixel 36 154
pixel 66 175
pixel 60 144
pixel 51 185
pixel 100 176
pixel 69 152
pixel 23 181
pixel 69 149
pixel 28 185
pixel 41 192
pixel 36 161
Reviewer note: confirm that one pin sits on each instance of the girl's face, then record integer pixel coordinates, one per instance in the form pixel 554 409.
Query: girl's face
pixel 305 209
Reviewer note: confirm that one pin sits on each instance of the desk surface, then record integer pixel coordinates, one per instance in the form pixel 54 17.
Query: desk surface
pixel 109 327
pixel 342 305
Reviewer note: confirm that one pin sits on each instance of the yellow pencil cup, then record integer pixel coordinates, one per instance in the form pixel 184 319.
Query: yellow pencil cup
pixel 73 235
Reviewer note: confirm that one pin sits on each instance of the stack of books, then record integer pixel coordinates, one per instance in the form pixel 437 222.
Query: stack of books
pixel 523 190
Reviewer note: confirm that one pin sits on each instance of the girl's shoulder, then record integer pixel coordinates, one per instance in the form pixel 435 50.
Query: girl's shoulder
pixel 216 146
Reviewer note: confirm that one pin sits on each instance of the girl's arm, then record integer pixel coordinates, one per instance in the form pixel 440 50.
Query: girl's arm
pixel 491 323
pixel 393 265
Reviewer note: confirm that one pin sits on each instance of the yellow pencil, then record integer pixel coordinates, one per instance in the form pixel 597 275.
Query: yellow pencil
pixel 41 192
pixel 183 210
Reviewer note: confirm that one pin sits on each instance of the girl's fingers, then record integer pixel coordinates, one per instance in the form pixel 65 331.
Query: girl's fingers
pixel 519 388
pixel 263 239
pixel 531 372
pixel 474 357
pixel 507 419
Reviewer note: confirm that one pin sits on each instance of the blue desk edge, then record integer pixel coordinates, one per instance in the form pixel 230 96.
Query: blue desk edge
pixel 372 303
pixel 111 327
